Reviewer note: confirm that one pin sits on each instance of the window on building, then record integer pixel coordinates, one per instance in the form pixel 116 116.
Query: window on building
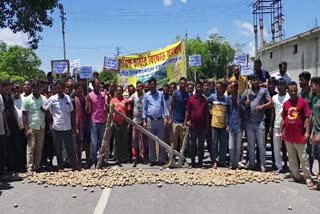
pixel 271 55
pixel 295 49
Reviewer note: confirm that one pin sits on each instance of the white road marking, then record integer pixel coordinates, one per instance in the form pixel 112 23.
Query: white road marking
pixel 102 203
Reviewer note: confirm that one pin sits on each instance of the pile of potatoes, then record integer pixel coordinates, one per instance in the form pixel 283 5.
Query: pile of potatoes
pixel 108 178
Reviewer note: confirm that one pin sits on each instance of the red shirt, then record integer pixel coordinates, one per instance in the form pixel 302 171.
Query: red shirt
pixel 294 115
pixel 122 106
pixel 198 111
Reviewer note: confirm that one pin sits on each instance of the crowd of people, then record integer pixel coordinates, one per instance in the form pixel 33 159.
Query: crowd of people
pixel 40 120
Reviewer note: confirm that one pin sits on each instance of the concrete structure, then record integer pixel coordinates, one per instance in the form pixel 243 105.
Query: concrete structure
pixel 300 51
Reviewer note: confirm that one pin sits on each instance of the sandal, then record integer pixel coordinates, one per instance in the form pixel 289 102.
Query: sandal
pixel 315 187
pixel 309 183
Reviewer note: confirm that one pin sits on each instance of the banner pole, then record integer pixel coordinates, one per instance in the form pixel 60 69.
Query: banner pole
pixel 185 53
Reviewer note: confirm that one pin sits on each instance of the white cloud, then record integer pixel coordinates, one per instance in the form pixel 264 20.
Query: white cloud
pixel 213 30
pixel 10 38
pixel 246 29
pixel 168 3
pixel 250 49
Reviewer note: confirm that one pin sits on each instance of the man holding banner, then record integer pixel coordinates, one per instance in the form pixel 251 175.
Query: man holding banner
pixel 242 80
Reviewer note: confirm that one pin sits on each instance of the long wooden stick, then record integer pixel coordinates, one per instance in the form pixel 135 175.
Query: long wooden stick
pixel 105 146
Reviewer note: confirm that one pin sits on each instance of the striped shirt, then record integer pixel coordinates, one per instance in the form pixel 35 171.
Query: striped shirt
pixel 219 109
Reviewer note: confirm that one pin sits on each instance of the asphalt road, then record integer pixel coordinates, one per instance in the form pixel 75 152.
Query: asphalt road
pixel 139 199
pixel 246 198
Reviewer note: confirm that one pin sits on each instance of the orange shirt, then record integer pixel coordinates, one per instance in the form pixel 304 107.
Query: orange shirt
pixel 122 106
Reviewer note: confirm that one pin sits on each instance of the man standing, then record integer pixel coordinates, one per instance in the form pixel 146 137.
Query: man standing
pixel 96 101
pixel 234 124
pixel 177 115
pixel 278 101
pixel 121 127
pixel 26 89
pixel 11 126
pixel 34 126
pixel 263 75
pixel 196 118
pixel 282 72
pixel 190 89
pixel 267 121
pixel 60 106
pixel 146 87
pixel 207 94
pixel 173 87
pixel 218 126
pixel 295 122
pixel 139 140
pixel 155 115
pixel 256 101
pixel 306 93
pixel 2 134
pixel 242 80
pixel 315 135
pixel 82 123
pixel 19 137
pixel 167 101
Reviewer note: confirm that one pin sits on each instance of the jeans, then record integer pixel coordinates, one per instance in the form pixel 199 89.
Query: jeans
pixel 156 127
pixel 97 132
pixel 235 140
pixel 256 133
pixel 219 145
pixel 198 136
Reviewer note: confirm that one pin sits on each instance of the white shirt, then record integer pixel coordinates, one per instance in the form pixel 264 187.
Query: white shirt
pixel 286 77
pixel 2 130
pixel 18 108
pixel 278 102
pixel 61 112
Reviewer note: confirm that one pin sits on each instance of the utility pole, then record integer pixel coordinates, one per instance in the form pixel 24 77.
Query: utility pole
pixel 63 19
pixel 274 10
pixel 118 50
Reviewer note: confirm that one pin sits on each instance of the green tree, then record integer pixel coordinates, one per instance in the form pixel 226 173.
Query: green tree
pixel 28 16
pixel 18 64
pixel 107 77
pixel 217 56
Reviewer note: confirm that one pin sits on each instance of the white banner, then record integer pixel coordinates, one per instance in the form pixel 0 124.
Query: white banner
pixel 60 66
pixel 247 70
pixel 86 72
pixel 111 63
pixel 75 64
pixel 241 59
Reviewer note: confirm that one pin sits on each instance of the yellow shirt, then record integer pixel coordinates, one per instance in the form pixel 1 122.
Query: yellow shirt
pixel 243 81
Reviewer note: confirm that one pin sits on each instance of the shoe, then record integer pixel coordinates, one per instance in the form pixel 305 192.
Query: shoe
pixel 215 165
pixel 263 169
pixel 152 164
pixel 135 163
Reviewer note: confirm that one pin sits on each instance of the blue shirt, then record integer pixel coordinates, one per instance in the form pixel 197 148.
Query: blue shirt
pixel 234 113
pixel 263 75
pixel 154 105
pixel 179 106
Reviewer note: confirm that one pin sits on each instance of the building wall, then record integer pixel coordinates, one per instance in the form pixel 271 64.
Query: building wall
pixel 306 58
